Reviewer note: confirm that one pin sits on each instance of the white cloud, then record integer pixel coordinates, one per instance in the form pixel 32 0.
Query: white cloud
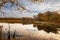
pixel 32 8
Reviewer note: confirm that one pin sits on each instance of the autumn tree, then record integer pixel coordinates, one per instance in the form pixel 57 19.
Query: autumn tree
pixel 49 16
pixel 53 18
pixel 56 17
pixel 40 17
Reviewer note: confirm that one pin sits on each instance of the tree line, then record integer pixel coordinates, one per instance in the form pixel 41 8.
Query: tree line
pixel 48 17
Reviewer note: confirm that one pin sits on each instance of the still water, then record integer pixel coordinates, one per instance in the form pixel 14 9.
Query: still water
pixel 26 32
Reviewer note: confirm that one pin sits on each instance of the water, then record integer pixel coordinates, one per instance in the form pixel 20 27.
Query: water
pixel 28 32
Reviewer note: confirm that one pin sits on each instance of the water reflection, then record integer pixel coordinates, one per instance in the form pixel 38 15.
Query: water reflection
pixel 26 32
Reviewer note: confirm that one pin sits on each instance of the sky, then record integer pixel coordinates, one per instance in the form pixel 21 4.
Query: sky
pixel 32 8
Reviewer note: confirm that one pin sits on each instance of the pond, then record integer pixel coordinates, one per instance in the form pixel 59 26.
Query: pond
pixel 27 32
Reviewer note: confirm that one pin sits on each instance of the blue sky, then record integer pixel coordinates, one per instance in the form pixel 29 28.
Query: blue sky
pixel 34 8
